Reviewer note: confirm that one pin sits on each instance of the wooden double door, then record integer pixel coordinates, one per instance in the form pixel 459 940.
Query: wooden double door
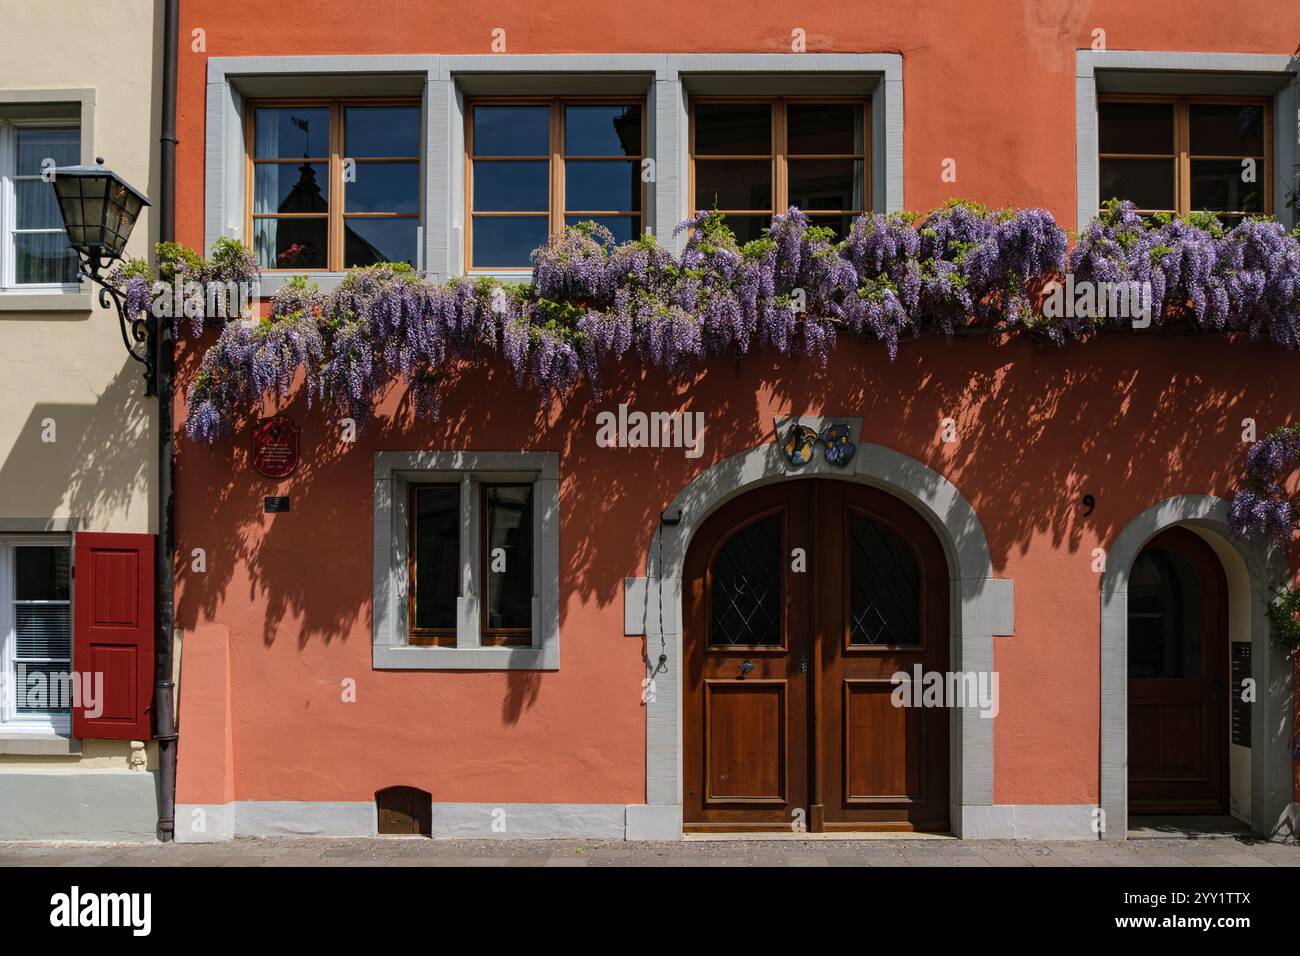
pixel 802 601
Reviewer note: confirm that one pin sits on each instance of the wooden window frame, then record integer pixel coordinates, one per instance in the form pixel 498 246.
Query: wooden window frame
pixel 780 155
pixel 556 159
pixel 1182 156
pixel 504 636
pixel 427 636
pixel 336 214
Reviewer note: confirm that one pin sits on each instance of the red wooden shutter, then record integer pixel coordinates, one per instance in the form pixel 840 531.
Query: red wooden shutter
pixel 113 633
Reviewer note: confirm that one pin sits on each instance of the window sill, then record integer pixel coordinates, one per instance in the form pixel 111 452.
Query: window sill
pixel 521 276
pixel 410 657
pixel 46 302
pixel 272 282
pixel 40 745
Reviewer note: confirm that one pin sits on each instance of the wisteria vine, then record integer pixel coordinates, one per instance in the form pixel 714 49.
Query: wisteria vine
pixel 1242 279
pixel 961 269
pixel 1261 508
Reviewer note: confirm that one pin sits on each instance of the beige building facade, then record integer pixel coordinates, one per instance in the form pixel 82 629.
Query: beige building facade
pixel 78 446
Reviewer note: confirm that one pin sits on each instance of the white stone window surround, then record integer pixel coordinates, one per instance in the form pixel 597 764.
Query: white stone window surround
pixel 395 472
pixel 57 724
pixel 70 107
pixel 666 80
pixel 40 743
pixel 1195 74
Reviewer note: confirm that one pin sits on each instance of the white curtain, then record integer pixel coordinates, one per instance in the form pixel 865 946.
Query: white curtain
pixel 266 133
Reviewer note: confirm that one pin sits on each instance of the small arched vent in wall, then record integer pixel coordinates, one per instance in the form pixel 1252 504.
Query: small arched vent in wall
pixel 404 810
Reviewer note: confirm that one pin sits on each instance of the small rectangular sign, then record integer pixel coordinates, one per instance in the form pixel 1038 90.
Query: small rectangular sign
pixel 1240 708
pixel 276 503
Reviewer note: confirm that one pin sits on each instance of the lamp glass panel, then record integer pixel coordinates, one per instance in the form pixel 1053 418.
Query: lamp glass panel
pixel 68 192
pixel 93 207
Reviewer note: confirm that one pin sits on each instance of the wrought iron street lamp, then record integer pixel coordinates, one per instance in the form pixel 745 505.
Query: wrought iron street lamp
pixel 99 211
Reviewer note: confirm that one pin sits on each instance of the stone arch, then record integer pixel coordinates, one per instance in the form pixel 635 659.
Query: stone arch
pixel 1258 568
pixel 981 606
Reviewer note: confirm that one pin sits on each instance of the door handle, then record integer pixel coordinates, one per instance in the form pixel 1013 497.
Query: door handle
pixel 803 664
pixel 745 668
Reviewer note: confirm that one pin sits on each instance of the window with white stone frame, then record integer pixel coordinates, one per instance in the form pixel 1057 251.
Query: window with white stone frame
pixel 466 573
pixel 537 165
pixel 1183 132
pixel 466 206
pixel 35 634
pixel 1183 154
pixel 34 252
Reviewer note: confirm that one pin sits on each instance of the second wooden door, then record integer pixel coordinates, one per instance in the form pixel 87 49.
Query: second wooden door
pixel 1177 699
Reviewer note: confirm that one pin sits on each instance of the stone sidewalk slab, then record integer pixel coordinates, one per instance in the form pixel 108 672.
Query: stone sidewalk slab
pixel 274 852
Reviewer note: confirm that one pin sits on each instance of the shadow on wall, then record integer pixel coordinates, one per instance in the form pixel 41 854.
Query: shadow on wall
pixel 99 467
pixel 1128 419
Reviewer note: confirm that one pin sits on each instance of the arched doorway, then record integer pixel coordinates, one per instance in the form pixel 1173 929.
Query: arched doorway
pixel 801 599
pixel 1177 687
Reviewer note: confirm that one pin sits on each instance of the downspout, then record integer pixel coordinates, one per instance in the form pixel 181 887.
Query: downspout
pixel 163 690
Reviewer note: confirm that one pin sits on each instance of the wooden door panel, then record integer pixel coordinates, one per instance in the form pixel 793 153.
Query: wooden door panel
pixel 745 757
pixel 120 667
pixel 884 609
pixel 746 749
pixel 1166 742
pixel 884 746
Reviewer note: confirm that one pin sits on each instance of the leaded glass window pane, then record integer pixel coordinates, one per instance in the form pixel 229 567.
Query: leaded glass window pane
pixel 746 586
pixel 884 585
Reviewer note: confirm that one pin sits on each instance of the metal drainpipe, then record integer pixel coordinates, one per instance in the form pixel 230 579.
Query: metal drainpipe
pixel 163 700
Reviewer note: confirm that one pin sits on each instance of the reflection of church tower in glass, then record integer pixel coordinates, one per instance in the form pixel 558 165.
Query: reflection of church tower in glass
pixel 627 127
pixel 358 250
pixel 296 239
pixel 305 196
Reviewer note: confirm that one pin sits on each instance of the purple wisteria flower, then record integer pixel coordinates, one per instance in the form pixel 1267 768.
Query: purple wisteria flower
pixel 1262 509
pixel 797 290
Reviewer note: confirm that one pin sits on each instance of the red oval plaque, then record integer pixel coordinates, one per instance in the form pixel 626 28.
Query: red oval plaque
pixel 275 446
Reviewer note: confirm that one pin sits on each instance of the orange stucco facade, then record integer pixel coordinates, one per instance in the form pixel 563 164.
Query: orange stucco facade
pixel 280 621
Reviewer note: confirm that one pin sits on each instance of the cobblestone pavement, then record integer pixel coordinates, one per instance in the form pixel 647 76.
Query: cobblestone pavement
pixel 870 852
